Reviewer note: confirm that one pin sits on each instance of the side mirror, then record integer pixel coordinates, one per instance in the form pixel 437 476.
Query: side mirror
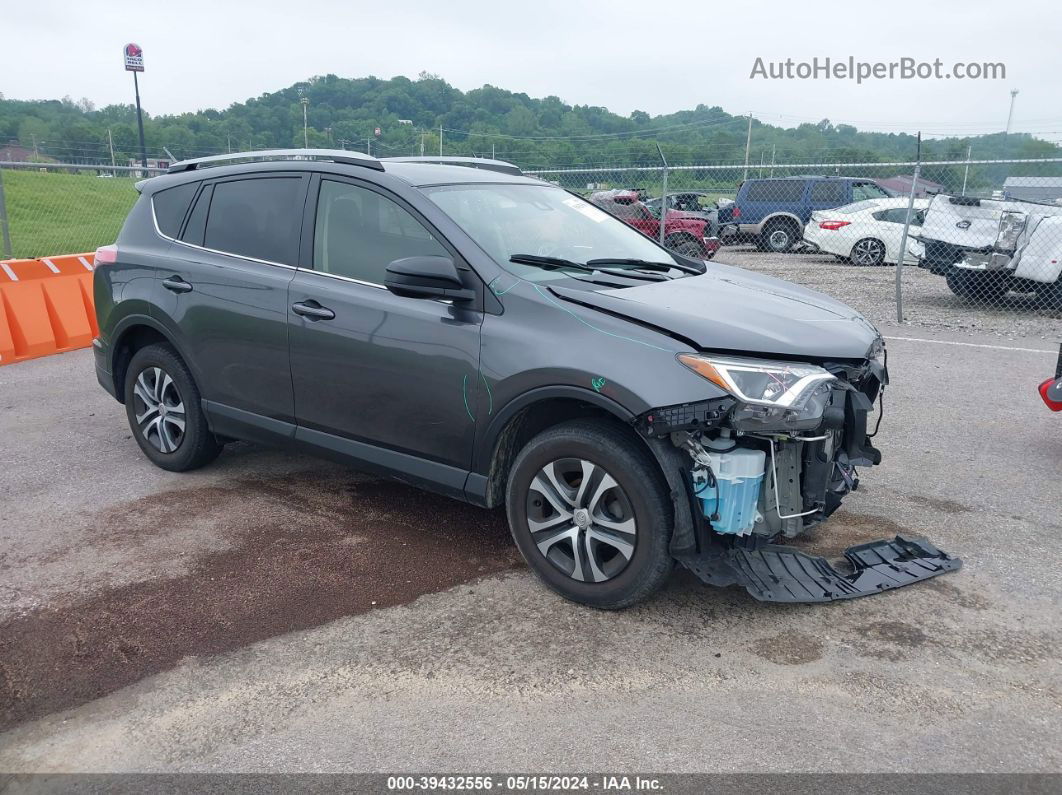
pixel 426 277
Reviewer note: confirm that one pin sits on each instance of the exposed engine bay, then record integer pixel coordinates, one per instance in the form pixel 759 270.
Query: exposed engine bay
pixel 774 458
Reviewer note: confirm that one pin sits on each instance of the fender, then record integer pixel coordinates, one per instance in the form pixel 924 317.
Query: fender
pixel 485 442
pixel 774 216
pixel 127 323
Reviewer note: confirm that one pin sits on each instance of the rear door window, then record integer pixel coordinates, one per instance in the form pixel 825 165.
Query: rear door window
pixel 196 226
pixel 257 218
pixel 170 206
pixel 828 192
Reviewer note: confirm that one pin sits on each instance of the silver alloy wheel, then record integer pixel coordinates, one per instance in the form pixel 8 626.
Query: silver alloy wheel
pixel 159 409
pixel 868 252
pixel 581 520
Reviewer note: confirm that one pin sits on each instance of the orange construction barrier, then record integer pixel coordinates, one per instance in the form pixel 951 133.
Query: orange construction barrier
pixel 45 306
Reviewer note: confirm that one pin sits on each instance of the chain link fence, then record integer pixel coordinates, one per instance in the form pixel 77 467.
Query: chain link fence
pixel 955 244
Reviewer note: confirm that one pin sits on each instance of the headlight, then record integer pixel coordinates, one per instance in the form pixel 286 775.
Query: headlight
pixel 877 351
pixel 784 385
pixel 1011 225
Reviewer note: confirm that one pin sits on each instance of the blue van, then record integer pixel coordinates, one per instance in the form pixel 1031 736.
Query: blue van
pixel 773 212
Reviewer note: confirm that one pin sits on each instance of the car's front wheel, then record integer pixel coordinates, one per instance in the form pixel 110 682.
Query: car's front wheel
pixel 163 406
pixel 591 515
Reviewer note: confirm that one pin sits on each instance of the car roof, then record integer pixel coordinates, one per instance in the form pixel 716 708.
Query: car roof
pixel 416 172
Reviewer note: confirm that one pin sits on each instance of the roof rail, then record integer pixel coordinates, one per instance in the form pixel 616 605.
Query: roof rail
pixel 474 162
pixel 334 155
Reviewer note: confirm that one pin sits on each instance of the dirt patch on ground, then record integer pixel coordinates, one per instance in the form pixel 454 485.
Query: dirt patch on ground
pixel 297 552
pixel 790 648
pixel 940 504
pixel 843 530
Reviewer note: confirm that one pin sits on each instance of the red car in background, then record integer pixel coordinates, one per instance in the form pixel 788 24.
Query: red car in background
pixel 685 233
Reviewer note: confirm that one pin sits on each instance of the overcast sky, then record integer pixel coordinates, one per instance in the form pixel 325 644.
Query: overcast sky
pixel 622 54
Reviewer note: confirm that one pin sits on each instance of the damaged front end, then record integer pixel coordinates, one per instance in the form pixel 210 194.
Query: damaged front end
pixel 771 459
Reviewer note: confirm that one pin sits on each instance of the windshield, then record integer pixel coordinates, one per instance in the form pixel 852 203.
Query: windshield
pixel 541 220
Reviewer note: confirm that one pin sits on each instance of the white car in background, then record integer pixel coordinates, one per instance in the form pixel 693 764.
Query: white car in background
pixel 867 232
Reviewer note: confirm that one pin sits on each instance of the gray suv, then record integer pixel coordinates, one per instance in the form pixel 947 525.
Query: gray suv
pixel 493 338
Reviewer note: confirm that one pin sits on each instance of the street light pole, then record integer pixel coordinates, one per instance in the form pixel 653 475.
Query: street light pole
pixel 305 101
pixel 748 143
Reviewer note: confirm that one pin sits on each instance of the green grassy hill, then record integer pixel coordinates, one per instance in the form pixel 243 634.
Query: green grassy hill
pixel 64 213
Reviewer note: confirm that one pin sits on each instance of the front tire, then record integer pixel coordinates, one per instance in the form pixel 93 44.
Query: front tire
pixel 689 248
pixel 591 515
pixel 162 403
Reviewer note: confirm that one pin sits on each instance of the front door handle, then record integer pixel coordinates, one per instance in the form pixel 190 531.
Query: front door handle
pixel 175 284
pixel 311 310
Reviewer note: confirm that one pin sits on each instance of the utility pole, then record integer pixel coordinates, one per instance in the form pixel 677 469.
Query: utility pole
pixel 774 151
pixel 440 140
pixel 305 101
pixel 1006 138
pixel 966 171
pixel 36 157
pixel 368 145
pixel 492 157
pixel 110 143
pixel 422 134
pixel 748 143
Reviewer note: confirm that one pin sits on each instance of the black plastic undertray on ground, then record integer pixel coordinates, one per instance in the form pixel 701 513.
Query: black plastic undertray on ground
pixel 776 573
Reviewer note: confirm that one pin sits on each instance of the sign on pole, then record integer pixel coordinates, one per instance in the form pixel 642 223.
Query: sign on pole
pixel 134 58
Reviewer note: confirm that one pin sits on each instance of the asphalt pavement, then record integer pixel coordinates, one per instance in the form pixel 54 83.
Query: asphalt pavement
pixel 277 613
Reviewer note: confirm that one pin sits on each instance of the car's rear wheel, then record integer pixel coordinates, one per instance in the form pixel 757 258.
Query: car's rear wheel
pixel 868 251
pixel 163 406
pixel 778 236
pixel 591 514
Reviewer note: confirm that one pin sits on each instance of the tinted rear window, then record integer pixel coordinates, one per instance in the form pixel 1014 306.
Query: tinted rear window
pixel 170 206
pixel 775 190
pixel 833 192
pixel 257 218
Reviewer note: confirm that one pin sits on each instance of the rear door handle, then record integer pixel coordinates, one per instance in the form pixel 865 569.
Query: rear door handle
pixel 175 284
pixel 311 310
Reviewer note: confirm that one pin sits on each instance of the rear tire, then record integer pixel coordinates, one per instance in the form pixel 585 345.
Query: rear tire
pixel 164 409
pixel 601 512
pixel 869 251
pixel 778 236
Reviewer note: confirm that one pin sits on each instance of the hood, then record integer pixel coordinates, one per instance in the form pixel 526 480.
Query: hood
pixel 730 309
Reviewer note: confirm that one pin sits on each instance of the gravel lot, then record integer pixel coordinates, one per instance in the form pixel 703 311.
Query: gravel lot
pixel 928 303
pixel 277 613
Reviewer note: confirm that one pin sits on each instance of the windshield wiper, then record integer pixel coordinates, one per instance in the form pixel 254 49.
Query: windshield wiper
pixel 549 263
pixel 645 264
